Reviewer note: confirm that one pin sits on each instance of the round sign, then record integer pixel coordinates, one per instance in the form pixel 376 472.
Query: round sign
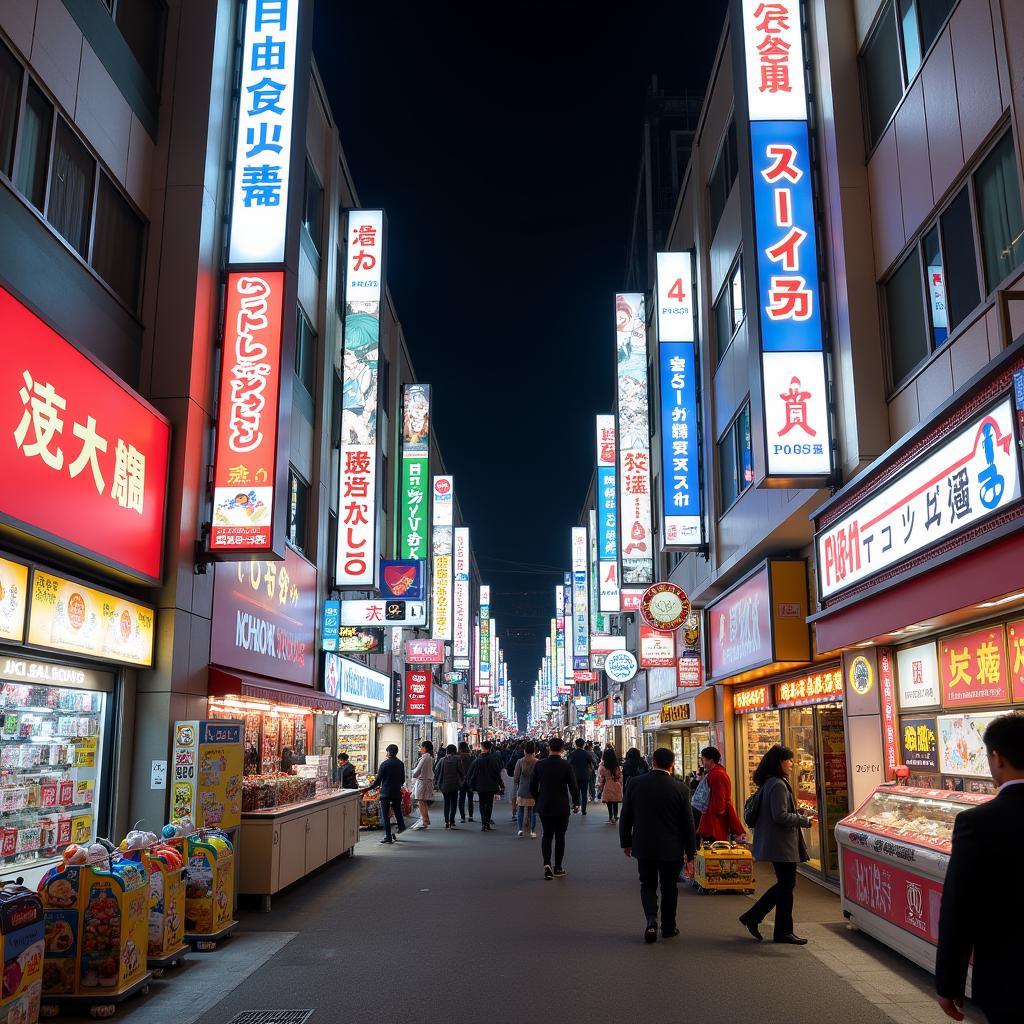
pixel 861 675
pixel 620 666
pixel 664 606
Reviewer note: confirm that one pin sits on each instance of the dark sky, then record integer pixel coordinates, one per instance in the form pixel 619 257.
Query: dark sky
pixel 504 143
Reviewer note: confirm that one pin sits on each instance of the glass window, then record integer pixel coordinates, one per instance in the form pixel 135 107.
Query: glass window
pixel 10 95
pixel 723 323
pixel 117 248
pixel 911 36
pixel 142 24
pixel 723 176
pixel 936 287
pixel 908 341
pixel 728 471
pixel 736 294
pixel 34 151
pixel 746 454
pixel 883 76
pixel 312 206
pixel 962 289
pixel 305 353
pixel 69 208
pixel 933 15
pixel 298 511
pixel 999 213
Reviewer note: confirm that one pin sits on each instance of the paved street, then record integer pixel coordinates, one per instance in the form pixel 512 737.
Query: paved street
pixel 449 924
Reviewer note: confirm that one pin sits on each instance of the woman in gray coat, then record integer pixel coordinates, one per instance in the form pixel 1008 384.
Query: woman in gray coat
pixel 777 838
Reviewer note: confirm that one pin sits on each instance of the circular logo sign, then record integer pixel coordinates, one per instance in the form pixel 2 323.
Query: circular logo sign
pixel 664 606
pixel 620 666
pixel 442 486
pixel 861 675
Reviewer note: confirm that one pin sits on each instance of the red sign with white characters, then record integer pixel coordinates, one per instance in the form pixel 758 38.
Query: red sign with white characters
pixel 910 902
pixel 739 627
pixel 890 730
pixel 417 693
pixel 688 670
pixel 631 600
pixel 1015 652
pixel 82 456
pixel 247 414
pixel 424 652
pixel 582 676
pixel 657 648
pixel 752 698
pixel 972 669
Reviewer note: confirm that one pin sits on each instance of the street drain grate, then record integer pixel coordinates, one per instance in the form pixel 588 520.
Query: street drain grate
pixel 272 1017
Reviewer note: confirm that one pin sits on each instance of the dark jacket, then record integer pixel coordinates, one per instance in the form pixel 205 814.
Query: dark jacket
pixel 449 775
pixel 983 913
pixel 467 760
pixel 777 835
pixel 581 763
pixel 346 775
pixel 485 774
pixel 390 777
pixel 656 819
pixel 553 782
pixel 632 767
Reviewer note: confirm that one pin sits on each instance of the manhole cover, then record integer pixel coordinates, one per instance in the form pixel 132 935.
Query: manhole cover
pixel 272 1017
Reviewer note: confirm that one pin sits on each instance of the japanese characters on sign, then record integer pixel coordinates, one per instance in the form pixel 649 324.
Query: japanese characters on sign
pixel 353 683
pixel 607 516
pixel 887 695
pixel 677 362
pixel 413 536
pixel 580 600
pixel 462 612
pixel 245 462
pixel 739 627
pixel 657 649
pixel 358 501
pixel 442 542
pixel 567 627
pixel 83 457
pixel 383 613
pixel 969 477
pixel 483 658
pixel 1015 652
pixel 263 145
pixel 917 669
pixel 597 618
pixel 675 713
pixel 636 544
pixel 752 698
pixel 424 652
pixel 774 54
pixel 973 670
pixel 417 692
pixel 13 599
pixel 689 669
pixel 814 688
pixel 919 740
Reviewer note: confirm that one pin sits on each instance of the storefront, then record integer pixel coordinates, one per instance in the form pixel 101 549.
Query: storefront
pixel 685 727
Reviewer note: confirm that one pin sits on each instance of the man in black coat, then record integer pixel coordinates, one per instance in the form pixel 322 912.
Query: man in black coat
pixel 346 773
pixel 390 778
pixel 552 785
pixel 980 913
pixel 656 828
pixel 485 778
pixel 581 765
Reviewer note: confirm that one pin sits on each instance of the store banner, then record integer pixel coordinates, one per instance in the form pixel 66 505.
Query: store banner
pixel 413 535
pixel 631 599
pixel 424 652
pixel 462 609
pixel 632 420
pixel 917 670
pixel 206 762
pixel 753 698
pixel 580 599
pixel 973 670
pixel 568 628
pixel 84 458
pixel 818 687
pixel 1015 651
pixel 359 640
pixel 483 660
pixel 356 684
pixel 13 600
pixel 357 360
pixel 442 542
pixel 330 622
pixel 607 516
pixel 657 648
pixel 690 670
pixel 887 698
pixel 417 693
pixel 919 741
pixel 403 580
pixel 383 613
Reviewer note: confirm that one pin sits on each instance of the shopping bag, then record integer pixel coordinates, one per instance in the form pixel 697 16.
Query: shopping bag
pixel 406 801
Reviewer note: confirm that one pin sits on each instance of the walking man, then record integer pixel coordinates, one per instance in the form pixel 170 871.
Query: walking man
pixel 485 778
pixel 595 762
pixel 553 784
pixel 978 914
pixel 390 779
pixel 582 765
pixel 656 829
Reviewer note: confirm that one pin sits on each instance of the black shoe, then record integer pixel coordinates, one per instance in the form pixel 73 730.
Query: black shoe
pixel 464 819
pixel 651 931
pixel 386 842
pixel 669 933
pixel 559 872
pixel 470 818
pixel 584 813
pixel 548 873
pixel 751 925
pixel 791 940
pixel 483 828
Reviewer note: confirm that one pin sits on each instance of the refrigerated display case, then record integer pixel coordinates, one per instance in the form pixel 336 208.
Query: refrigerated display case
pixel 895 848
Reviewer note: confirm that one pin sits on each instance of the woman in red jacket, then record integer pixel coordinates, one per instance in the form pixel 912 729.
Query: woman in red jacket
pixel 720 820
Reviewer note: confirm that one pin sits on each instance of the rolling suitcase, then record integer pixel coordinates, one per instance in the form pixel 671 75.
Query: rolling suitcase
pixel 723 867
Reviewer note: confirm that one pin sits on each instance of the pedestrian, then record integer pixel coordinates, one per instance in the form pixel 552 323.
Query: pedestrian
pixel 521 778
pixel 287 760
pixel 450 777
pixel 510 770
pixel 345 774
pixel 609 785
pixel 719 820
pixel 466 792
pixel 778 839
pixel 423 784
pixel 633 764
pixel 656 830
pixel 595 763
pixel 485 778
pixel 581 764
pixel 553 784
pixel 389 780
pixel 979 915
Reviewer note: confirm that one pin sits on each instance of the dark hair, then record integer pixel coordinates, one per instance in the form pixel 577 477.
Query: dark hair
pixel 1005 736
pixel 486 745
pixel 463 747
pixel 579 743
pixel 392 749
pixel 555 744
pixel 343 756
pixel 588 745
pixel 712 754
pixel 771 764
pixel 530 748
pixel 663 758
pixel 632 754
pixel 451 749
pixel 427 746
pixel 610 761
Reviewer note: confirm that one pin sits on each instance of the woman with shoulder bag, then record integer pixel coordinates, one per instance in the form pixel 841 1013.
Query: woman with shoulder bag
pixel 423 783
pixel 609 784
pixel 526 805
pixel 777 838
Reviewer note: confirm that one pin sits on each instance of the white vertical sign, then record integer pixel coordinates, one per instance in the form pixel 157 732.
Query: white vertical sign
pixel 675 297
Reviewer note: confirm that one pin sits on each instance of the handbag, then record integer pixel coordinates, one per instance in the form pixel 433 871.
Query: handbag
pixel 752 808
pixel 701 799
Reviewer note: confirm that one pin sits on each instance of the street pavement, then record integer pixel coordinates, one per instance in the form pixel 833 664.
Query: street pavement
pixel 448 926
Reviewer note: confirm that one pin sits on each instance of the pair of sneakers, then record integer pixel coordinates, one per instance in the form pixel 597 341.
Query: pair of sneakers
pixel 521 833
pixel 556 873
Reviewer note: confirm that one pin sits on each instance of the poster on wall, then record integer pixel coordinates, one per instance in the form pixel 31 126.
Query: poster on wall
pixel 962 746
pixel 917 670
pixel 920 744
pixel 206 781
pixel 972 668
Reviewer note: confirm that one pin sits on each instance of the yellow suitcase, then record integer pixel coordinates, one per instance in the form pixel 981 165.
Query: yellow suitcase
pixel 723 867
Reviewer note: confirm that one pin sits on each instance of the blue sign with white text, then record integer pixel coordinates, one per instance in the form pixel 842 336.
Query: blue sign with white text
pixel 680 486
pixel 607 514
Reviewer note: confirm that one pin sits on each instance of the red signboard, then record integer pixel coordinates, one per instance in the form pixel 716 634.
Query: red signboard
pixel 814 688
pixel 1015 651
pixel 263 618
pixel 739 627
pixel 630 600
pixel 688 669
pixel 582 676
pixel 417 693
pixel 973 670
pixel 83 458
pixel 245 464
pixel 657 647
pixel 752 698
pixel 424 652
pixel 887 694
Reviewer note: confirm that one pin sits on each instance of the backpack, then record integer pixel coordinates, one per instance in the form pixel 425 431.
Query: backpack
pixel 752 807
pixel 701 799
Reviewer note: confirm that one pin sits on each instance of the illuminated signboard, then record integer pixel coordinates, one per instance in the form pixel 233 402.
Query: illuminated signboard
pixel 756 698
pixel 82 456
pixel 636 545
pixel 417 692
pixel 607 516
pixel 796 414
pixel 358 500
pixel 442 543
pixel 383 613
pixel 580 600
pixel 462 612
pixel 677 366
pixel 13 599
pixel 483 659
pixel 413 536
pixel 813 688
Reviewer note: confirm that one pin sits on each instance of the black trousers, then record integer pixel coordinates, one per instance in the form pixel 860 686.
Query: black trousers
pixel 663 874
pixel 592 786
pixel 486 807
pixel 451 805
pixel 463 793
pixel 386 803
pixel 554 829
pixel 613 810
pixel 779 896
pixel 584 792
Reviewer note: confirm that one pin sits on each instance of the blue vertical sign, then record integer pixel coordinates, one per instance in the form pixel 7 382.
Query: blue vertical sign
pixel 607 517
pixel 329 625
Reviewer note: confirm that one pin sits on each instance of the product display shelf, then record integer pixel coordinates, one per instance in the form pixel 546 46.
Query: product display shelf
pixel 209 889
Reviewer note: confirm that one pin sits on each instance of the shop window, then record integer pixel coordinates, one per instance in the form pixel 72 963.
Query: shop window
pixel 722 177
pixel 34 146
pixel 911 37
pixel 1001 226
pixel 298 512
pixel 932 16
pixel 882 74
pixel 141 23
pixel 908 343
pixel 305 353
pixel 69 207
pixel 735 460
pixel 961 260
pixel 10 95
pixel 729 311
pixel 723 324
pixel 117 248
pixel 936 287
pixel 736 295
pixel 313 207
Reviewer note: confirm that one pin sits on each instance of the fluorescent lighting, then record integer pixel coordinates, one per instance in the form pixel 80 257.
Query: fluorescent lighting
pixel 1003 600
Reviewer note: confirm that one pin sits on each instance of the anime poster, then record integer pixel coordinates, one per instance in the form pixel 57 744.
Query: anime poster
pixel 961 744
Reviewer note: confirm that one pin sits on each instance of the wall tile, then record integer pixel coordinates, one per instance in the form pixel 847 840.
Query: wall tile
pixel 969 353
pixel 945 146
pixel 935 384
pixel 912 153
pixel 903 412
pixel 57 51
pixel 18 20
pixel 886 202
pixel 102 113
pixel 977 81
pixel 139 172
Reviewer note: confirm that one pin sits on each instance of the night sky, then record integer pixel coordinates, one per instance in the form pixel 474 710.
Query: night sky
pixel 507 162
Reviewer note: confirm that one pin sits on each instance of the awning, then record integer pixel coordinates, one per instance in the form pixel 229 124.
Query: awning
pixel 238 684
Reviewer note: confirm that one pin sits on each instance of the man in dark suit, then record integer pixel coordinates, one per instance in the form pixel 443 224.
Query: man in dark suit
pixel 390 778
pixel 553 783
pixel 981 913
pixel 656 828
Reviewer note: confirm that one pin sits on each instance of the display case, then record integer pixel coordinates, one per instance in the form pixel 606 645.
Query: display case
pixel 263 792
pixel 895 848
